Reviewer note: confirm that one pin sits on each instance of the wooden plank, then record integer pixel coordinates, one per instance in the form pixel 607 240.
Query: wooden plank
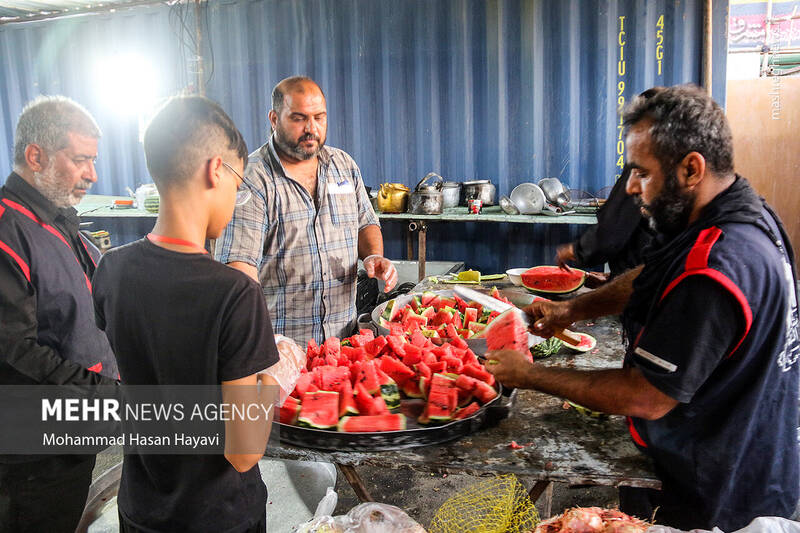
pixel 356 483
pixel 764 115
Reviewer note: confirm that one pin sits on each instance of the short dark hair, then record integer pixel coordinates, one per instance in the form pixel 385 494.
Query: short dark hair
pixel 286 86
pixel 46 121
pixel 184 133
pixel 684 119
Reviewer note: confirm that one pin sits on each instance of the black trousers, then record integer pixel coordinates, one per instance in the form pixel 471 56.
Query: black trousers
pixel 47 494
pixel 127 527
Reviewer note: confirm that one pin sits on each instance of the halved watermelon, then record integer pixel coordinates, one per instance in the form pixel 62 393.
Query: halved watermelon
pixel 319 409
pixel 372 423
pixel 553 280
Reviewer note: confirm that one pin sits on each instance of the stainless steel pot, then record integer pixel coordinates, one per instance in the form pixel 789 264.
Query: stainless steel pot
pixel 483 190
pixel 555 192
pixel 427 199
pixel 451 193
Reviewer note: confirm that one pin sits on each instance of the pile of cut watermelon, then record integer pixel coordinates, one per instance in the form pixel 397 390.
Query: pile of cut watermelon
pixel 430 314
pixel 356 385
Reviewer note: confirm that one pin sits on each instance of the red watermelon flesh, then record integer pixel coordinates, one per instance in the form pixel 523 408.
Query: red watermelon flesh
pixel 378 407
pixel 372 423
pixel 368 377
pixel 438 366
pixel 312 350
pixel 466 383
pixel 464 397
pixel 396 369
pixel 418 339
pixel 367 333
pixel 552 279
pixel 469 410
pixel 484 392
pixel 289 411
pixel 479 373
pixel 423 369
pixel 396 343
pixel 438 406
pixel 506 332
pixel 363 399
pixel 332 378
pixel 375 346
pixel 347 403
pixel 470 315
pixel 411 389
pixel 319 409
pixel 305 383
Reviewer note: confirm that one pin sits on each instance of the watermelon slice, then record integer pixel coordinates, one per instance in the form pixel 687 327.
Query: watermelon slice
pixel 389 391
pixel 484 392
pixel 553 280
pixel 411 389
pixel 479 373
pixel 347 404
pixel 289 411
pixel 305 383
pixel 587 343
pixel 469 410
pixel 506 332
pixel 427 298
pixel 372 423
pixel 375 346
pixel 396 369
pixel 368 377
pixel 438 408
pixel 470 315
pixel 319 410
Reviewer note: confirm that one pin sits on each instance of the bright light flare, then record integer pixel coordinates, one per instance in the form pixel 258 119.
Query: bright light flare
pixel 128 83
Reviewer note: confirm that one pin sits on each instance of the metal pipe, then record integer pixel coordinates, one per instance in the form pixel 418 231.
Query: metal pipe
pixel 198 30
pixel 708 48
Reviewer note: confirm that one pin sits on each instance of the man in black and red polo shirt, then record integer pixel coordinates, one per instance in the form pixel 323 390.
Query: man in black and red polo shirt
pixel 710 380
pixel 48 333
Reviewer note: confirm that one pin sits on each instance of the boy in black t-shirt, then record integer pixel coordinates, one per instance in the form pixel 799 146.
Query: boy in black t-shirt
pixel 174 316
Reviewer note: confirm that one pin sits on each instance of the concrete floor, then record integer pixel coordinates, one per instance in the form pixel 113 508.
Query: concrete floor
pixel 419 494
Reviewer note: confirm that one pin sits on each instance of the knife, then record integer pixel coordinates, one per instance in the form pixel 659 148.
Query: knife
pixel 493 304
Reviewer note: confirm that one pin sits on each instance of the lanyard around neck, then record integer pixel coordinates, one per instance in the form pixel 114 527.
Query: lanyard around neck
pixel 171 240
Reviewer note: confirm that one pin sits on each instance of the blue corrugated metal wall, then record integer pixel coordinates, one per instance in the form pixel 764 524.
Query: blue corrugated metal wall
pixel 507 90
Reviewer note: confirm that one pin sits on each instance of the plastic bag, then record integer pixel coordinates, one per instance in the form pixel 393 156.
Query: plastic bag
pixel 365 518
pixel 286 371
pixel 762 524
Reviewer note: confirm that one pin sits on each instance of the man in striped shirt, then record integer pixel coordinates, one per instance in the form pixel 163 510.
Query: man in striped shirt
pixel 308 222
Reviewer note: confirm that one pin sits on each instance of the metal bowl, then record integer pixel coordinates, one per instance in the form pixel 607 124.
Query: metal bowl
pixel 528 198
pixel 508 206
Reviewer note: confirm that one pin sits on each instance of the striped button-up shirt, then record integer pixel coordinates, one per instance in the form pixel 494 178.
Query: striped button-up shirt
pixel 306 256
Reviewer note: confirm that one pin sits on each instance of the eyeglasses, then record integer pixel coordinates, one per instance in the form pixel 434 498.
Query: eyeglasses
pixel 242 191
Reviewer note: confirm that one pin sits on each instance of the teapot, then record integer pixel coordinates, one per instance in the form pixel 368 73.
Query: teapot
pixel 392 198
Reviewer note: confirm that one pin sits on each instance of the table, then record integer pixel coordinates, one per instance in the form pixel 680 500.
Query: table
pixel 559 445
pixel 419 224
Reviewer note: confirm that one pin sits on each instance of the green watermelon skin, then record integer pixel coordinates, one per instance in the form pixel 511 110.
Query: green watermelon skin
pixel 319 410
pixel 372 423
pixel 506 332
pixel 553 280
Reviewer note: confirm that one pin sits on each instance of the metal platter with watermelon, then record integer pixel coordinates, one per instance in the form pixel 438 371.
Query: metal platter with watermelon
pixel 414 435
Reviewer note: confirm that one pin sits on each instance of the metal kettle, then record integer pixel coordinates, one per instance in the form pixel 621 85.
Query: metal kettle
pixel 427 199
pixel 392 198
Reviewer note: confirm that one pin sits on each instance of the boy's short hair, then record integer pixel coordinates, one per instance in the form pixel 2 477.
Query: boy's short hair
pixel 185 133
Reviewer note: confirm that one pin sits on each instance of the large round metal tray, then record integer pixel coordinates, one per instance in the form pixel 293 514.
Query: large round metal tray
pixel 413 436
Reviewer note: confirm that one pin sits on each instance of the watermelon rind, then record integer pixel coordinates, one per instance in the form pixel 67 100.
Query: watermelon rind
pixel 584 336
pixel 547 348
pixel 542 279
pixel 372 423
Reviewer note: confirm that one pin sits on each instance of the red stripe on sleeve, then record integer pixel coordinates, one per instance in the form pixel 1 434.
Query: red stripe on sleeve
pixel 22 264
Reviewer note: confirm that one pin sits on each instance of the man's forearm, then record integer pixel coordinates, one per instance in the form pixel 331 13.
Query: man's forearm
pixel 370 241
pixel 610 299
pixel 623 391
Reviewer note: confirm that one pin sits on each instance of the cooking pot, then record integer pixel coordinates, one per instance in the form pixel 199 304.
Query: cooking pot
pixel 451 193
pixel 555 192
pixel 393 198
pixel 482 190
pixel 427 199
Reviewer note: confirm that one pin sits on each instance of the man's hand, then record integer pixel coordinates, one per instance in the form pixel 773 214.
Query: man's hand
pixel 379 267
pixel 511 368
pixel 565 253
pixel 547 317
